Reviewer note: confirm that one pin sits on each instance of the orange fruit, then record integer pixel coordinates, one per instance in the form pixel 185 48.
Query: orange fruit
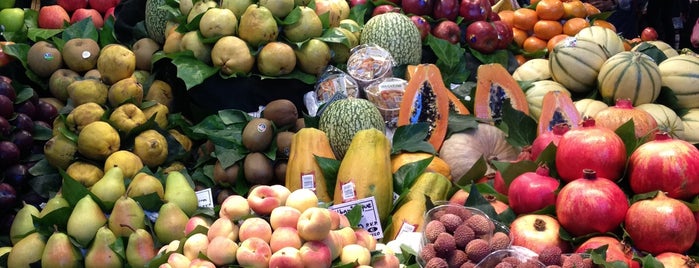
pixel 550 9
pixel 591 9
pixel 520 59
pixel 554 40
pixel 518 35
pixel 574 9
pixel 533 44
pixel 545 29
pixel 604 24
pixel 574 25
pixel 525 18
pixel 507 16
pixel 533 2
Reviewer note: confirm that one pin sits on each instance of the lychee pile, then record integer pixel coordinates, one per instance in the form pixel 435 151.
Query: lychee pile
pixel 553 258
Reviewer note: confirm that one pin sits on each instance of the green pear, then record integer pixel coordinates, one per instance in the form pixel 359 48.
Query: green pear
pixel 54 203
pixel 126 212
pixel 233 55
pixel 100 254
pixel 217 22
pixel 179 191
pixel 27 251
pixel 199 8
pixel 60 252
pixel 276 59
pixel 192 41
pixel 110 187
pixel 23 223
pixel 313 56
pixel 279 8
pixel 341 51
pixel 85 220
pixel 144 184
pixel 257 26
pixel 140 248
pixel 169 225
pixel 307 26
pixel 237 6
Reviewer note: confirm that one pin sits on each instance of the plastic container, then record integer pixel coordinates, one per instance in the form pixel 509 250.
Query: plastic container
pixel 368 63
pixel 521 253
pixel 386 94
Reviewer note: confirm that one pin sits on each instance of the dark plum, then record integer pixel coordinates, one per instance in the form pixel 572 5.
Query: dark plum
pixel 33 198
pixel 27 108
pixel 7 108
pixel 6 88
pixel 5 127
pixel 8 196
pixel 45 111
pixel 9 154
pixel 17 175
pixel 24 122
pixel 24 141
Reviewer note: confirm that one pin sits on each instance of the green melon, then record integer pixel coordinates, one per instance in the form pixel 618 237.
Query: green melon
pixel 629 75
pixel 155 20
pixel 396 33
pixel 344 118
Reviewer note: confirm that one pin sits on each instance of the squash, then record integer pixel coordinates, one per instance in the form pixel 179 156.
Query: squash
pixel 681 75
pixel 607 38
pixel 533 70
pixel 629 75
pixel 668 50
pixel 614 116
pixel 437 165
pixel 494 85
pixel 426 99
pixel 575 63
pixel 557 107
pixel 691 125
pixel 462 149
pixel 667 119
pixel 535 95
pixel 589 107
pixel 343 118
pixel 302 170
pixel 365 171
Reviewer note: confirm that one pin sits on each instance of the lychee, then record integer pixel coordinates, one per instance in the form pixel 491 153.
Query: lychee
pixel 437 263
pixel 433 229
pixel 477 249
pixel 444 244
pixel 462 235
pixel 450 222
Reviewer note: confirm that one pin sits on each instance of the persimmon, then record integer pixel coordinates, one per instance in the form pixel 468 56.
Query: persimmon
pixel 546 29
pixel 519 35
pixel 550 9
pixel 591 9
pixel 572 26
pixel 525 19
pixel 533 44
pixel 574 9
pixel 604 24
pixel 555 40
pixel 507 16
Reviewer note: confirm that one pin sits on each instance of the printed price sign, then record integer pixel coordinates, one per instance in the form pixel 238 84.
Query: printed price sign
pixel 206 199
pixel 370 215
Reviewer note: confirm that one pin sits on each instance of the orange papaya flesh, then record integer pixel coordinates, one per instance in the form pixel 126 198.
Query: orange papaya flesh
pixel 494 85
pixel 557 108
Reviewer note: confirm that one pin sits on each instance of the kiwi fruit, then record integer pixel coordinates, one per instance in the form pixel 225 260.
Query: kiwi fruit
pixel 284 143
pixel 280 171
pixel 43 58
pixel 282 112
pixel 258 169
pixel 80 54
pixel 226 177
pixel 144 49
pixel 300 123
pixel 258 134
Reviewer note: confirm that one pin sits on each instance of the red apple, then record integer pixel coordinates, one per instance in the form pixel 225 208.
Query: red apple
pixel 475 10
pixel 380 9
pixel 494 17
pixel 109 13
pixel 354 3
pixel 52 17
pixel 418 7
pixel 482 36
pixel 505 35
pixel 537 232
pixel 4 58
pixel 422 25
pixel 84 13
pixel 72 5
pixel 447 30
pixel 649 34
pixel 446 9
pixel 103 5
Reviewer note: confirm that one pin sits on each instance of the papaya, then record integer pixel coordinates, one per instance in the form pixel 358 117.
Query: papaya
pixel 455 104
pixel 437 165
pixel 557 107
pixel 365 171
pixel 431 184
pixel 495 84
pixel 302 170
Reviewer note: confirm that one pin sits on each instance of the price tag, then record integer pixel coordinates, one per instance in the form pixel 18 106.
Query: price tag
pixel 370 215
pixel 205 197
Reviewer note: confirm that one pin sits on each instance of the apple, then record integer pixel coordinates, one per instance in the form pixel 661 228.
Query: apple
pixel 109 13
pixel 482 36
pixel 72 5
pixel 385 8
pixel 234 207
pixel 649 34
pixel 286 257
pixel 354 3
pixel 302 199
pixel 223 227
pixel 365 239
pixel 314 224
pixel 505 35
pixel 494 16
pixel 337 10
pixel 103 5
pixel 4 58
pixel 422 25
pixel 282 192
pixel 84 13
pixel 355 252
pixel 447 30
pixel 7 4
pixel 446 9
pixel 195 221
pixel 537 232
pixel 255 227
pixel 316 254
pixel 253 252
pixel 221 250
pixel 52 17
pixel 262 199
pixel 475 10
pixel 195 244
pixel 11 19
pixel 283 237
pixel 418 7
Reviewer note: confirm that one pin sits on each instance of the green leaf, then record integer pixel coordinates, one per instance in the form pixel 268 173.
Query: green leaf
pixel 295 74
pixel 499 56
pixel 81 29
pixel 358 13
pixel 106 34
pixel 38 34
pixel 57 218
pixel 643 196
pixel 599 257
pixel 411 138
pixel 450 59
pixel 72 190
pixel 459 123
pixel 44 185
pixel 476 200
pixel 233 116
pixel 627 134
pixel 42 133
pixel 651 50
pixel 668 98
pixel 408 255
pixel 292 17
pixel 42 167
pixel 149 202
pixel 406 175
pixel 228 156
pixel 520 128
pixel 510 170
pixel 354 215
pixel 329 168
pixel 476 172
pixel 648 261
pixel 334 35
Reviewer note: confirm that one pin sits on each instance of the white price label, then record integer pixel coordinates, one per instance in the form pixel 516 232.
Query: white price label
pixel 205 197
pixel 308 181
pixel 348 192
pixel 406 228
pixel 370 215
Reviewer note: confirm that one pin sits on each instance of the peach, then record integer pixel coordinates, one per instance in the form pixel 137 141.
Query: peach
pixel 196 221
pixel 255 227
pixel 347 234
pixel 253 252
pixel 286 257
pixel 302 199
pixel 314 223
pixel 365 238
pixel 222 250
pixel 195 244
pixel 316 254
pixel 387 260
pixel 355 252
pixel 262 199
pixel 223 227
pixel 234 207
pixel 284 216
pixel 285 237
pixel 201 263
pixel 282 192
pixel 178 260
pixel 334 243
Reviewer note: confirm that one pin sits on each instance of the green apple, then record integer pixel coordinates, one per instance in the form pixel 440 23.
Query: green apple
pixel 7 4
pixel 12 19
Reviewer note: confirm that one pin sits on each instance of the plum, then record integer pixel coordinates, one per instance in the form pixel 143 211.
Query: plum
pixel 27 107
pixel 24 141
pixel 24 122
pixel 7 108
pixel 6 88
pixel 9 154
pixel 45 112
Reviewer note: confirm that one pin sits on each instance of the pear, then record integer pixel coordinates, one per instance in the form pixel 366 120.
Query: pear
pixel 276 59
pixel 160 92
pixel 27 251
pixel 160 111
pixel 23 223
pixel 85 173
pixel 129 163
pixel 110 187
pixel 100 254
pixel 193 41
pixel 199 8
pixel 237 6
pixel 313 56
pixel 85 220
pixel 56 202
pixel 84 114
pixel 233 55
pixel 151 147
pixel 5 250
pixel 341 51
pixel 116 62
pixel 257 26
pixel 88 90
pixel 140 248
pixel 127 89
pixel 279 8
pixel 179 191
pixel 98 140
pixel 60 151
pixel 172 42
pixel 126 212
pixel 182 139
pixel 307 26
pixel 169 225
pixel 144 184
pixel 60 252
pixel 218 22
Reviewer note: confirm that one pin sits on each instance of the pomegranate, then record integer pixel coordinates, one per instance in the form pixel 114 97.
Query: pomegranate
pixel 590 147
pixel 544 139
pixel 591 204
pixel 460 196
pixel 665 164
pixel 661 224
pixel 537 232
pixel 674 259
pixel 616 249
pixel 499 183
pixel 532 191
pixel 613 117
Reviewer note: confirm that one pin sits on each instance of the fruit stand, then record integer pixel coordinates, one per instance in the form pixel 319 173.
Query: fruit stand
pixel 334 133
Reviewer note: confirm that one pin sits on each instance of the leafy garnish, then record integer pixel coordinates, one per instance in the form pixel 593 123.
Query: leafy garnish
pixel 519 127
pixel 411 138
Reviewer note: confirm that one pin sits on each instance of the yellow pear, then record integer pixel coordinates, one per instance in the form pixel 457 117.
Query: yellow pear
pixel 27 251
pixel 110 187
pixel 23 223
pixel 56 202
pixel 60 252
pixel 87 217
pixel 126 215
pixel 100 254
pixel 144 184
pixel 179 191
pixel 169 225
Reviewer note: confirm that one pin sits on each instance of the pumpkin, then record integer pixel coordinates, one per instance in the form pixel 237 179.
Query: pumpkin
pixel 603 36
pixel 533 70
pixel 462 149
pixel 668 50
pixel 302 170
pixel 535 95
pixel 666 118
pixel 690 121
pixel 589 107
pixel 557 108
pixel 437 165
pixel 575 63
pixel 681 75
pixel 494 85
pixel 614 116
pixel 629 75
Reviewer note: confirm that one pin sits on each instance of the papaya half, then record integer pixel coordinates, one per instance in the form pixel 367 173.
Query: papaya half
pixel 495 84
pixel 557 107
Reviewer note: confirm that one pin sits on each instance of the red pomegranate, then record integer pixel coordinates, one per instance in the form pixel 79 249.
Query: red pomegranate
pixel 590 147
pixel 537 232
pixel 591 204
pixel 665 164
pixel 661 224
pixel 613 117
pixel 544 139
pixel 532 191
pixel 616 249
pixel 674 259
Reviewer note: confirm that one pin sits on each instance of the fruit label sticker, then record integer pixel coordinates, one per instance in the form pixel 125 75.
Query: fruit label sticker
pixel 348 192
pixel 406 227
pixel 370 215
pixel 206 199
pixel 308 181
pixel 261 128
